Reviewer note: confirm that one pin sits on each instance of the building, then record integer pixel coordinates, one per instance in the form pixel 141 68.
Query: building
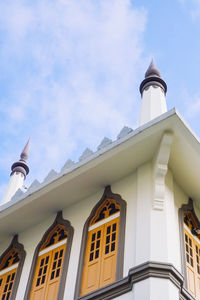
pixel 122 223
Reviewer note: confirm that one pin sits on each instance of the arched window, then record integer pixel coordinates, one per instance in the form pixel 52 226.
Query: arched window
pixel 190 248
pixel 49 268
pixel 11 263
pixel 101 260
pixel 192 253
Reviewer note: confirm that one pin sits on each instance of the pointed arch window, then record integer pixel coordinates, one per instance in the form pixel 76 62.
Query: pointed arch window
pixel 103 243
pixel 49 268
pixel 11 263
pixel 191 251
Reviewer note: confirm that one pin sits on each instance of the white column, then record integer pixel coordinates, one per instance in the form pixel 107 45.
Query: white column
pixel 156 232
pixel 16 182
pixel 153 103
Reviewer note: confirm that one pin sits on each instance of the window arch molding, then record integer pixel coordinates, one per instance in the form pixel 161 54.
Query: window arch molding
pixel 121 238
pixel 67 225
pixel 20 248
pixel 189 207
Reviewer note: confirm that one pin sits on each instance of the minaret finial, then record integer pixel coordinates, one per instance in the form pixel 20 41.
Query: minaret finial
pixel 25 151
pixel 19 171
pixel 153 77
pixel 152 70
pixel 21 166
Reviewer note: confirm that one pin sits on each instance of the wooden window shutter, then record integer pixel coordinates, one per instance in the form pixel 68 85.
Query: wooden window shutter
pixel 49 266
pixel 101 248
pixel 192 253
pixel 190 263
pixel 109 253
pixel 6 284
pixel 8 270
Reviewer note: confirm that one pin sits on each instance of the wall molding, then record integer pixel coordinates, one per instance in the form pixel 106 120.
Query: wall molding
pixel 160 167
pixel 137 274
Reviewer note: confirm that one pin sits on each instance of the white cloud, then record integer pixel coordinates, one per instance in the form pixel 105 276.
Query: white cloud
pixel 193 7
pixel 72 68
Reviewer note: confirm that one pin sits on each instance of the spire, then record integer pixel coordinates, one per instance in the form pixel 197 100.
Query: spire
pixel 153 77
pixel 152 70
pixel 21 166
pixel 25 151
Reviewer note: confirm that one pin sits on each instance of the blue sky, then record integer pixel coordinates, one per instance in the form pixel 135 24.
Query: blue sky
pixel 70 72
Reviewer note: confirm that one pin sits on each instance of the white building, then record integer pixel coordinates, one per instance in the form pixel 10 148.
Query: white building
pixel 122 223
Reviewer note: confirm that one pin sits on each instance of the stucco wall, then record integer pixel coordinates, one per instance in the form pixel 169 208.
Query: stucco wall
pixel 77 215
pixel 150 234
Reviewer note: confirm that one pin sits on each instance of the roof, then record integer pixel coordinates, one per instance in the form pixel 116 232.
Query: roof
pixel 112 161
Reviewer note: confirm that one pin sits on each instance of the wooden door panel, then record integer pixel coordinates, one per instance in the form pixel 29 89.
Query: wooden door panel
pixel 41 276
pixel 197 268
pixel 91 270
pixel 54 274
pixel 108 270
pixel 191 281
pixel 38 294
pixel 52 291
pixel 100 257
pixel 109 253
pixel 92 281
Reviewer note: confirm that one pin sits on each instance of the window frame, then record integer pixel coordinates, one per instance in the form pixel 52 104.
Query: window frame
pixel 58 221
pixel 121 240
pixel 185 208
pixel 15 244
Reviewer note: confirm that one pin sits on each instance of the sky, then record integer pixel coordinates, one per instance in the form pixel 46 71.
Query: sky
pixel 70 72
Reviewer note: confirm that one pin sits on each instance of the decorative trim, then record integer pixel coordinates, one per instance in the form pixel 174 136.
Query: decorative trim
pixel 4 271
pixel 189 231
pixel 160 170
pixel 182 211
pixel 46 250
pixel 137 274
pixel 153 80
pixel 120 253
pixel 104 221
pixel 58 220
pixel 15 244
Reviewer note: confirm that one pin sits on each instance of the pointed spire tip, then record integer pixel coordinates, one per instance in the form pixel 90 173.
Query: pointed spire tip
pixel 25 151
pixel 152 70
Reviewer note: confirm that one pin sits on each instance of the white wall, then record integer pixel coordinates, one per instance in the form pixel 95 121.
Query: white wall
pixel 150 234
pixel 77 214
pixel 155 289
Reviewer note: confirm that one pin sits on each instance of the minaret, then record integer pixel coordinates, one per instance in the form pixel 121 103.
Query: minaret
pixel 153 90
pixel 18 175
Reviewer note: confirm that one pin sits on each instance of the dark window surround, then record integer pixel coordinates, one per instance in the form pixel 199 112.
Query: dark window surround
pixel 58 220
pixel 15 244
pixel 121 240
pixel 182 211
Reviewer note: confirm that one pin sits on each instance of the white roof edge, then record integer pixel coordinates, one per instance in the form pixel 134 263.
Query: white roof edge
pixel 100 152
pixel 187 125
